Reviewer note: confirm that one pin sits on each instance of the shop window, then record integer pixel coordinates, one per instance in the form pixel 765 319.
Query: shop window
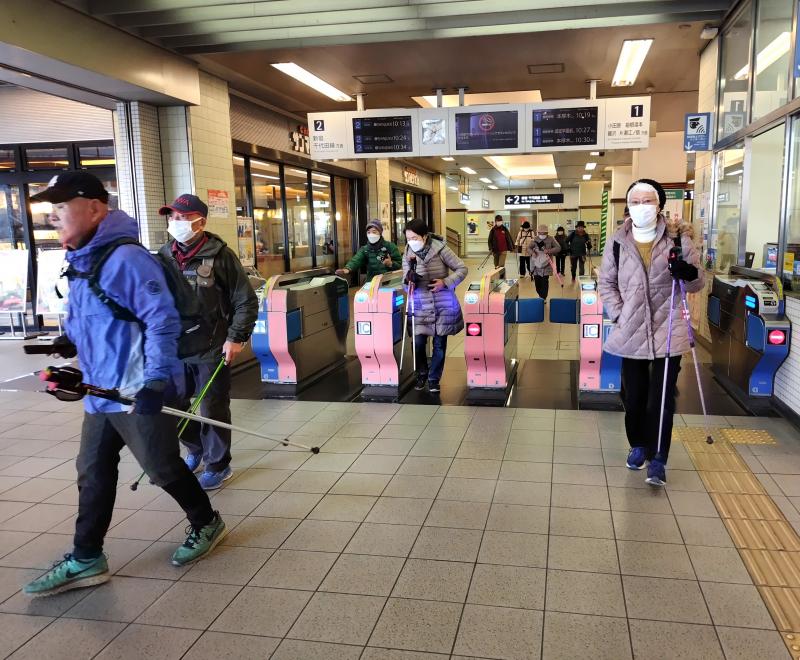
pixel 298 218
pixel 96 156
pixel 725 234
pixel 764 206
pixel 343 197
pixel 12 232
pixel 791 258
pixel 7 160
pixel 772 47
pixel 323 224
pixel 46 158
pixel 733 101
pixel 240 187
pixel 401 218
pixel 268 216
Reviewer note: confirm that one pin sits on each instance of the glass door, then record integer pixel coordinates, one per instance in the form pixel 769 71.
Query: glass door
pixel 400 216
pixel 323 226
pixel 298 219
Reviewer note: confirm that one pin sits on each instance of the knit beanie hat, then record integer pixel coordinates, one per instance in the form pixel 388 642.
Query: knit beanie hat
pixel 375 224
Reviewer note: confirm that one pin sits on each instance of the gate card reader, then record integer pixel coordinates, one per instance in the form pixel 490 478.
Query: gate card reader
pixel 490 341
pixel 379 308
pixel 301 331
pixel 750 334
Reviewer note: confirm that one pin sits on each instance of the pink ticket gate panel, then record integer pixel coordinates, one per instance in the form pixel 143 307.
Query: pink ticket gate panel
pixel 301 331
pixel 379 309
pixel 490 342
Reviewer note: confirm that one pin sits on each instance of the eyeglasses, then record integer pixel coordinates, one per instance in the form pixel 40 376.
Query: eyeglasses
pixel 651 202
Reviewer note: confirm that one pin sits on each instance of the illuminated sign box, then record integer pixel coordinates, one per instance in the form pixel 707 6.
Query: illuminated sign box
pixel 524 200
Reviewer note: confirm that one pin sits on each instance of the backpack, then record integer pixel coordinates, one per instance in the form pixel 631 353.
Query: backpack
pixel 196 334
pixel 615 248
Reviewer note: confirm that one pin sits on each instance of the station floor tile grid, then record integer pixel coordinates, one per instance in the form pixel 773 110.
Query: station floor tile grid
pixel 418 532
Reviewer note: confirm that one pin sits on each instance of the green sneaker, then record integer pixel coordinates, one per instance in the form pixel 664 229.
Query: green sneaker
pixel 69 573
pixel 199 542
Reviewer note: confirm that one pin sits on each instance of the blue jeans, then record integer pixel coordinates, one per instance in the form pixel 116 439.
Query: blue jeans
pixel 437 358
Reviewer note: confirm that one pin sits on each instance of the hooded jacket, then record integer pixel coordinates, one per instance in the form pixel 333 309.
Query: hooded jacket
pixel 637 299
pixel 228 300
pixel 524 238
pixel 114 353
pixel 437 313
pixel 373 255
pixel 493 238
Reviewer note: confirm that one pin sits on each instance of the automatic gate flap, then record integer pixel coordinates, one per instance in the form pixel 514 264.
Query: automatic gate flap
pixel 529 310
pixel 564 310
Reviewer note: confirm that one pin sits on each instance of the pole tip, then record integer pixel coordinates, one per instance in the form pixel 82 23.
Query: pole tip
pixel 710 440
pixel 134 486
pixel 315 450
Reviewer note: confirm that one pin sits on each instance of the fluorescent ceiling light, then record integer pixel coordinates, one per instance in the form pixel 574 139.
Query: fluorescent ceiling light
pixel 586 177
pixel 556 185
pixel 594 153
pixel 308 78
pixel 452 188
pixel 772 52
pixel 449 159
pixel 631 58
pixel 532 166
pixel 486 98
pixel 590 166
pixel 493 187
pixel 265 176
pixel 690 181
pixel 734 173
pixel 468 170
pixel 485 179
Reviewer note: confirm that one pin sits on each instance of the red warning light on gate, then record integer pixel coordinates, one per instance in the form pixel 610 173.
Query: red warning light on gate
pixel 776 337
pixel 474 329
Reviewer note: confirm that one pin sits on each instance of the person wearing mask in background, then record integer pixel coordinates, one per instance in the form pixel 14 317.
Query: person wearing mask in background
pixel 636 285
pixel 500 241
pixel 436 271
pixel 561 257
pixel 379 255
pixel 231 308
pixel 579 245
pixel 524 238
pixel 541 250
pixel 137 357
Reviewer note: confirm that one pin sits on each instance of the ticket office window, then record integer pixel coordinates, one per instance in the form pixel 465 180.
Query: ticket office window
pixel 724 240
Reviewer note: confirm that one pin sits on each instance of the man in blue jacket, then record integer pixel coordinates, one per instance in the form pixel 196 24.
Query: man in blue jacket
pixel 136 357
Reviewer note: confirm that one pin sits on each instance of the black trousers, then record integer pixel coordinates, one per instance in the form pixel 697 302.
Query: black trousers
pixel 542 284
pixel 642 382
pixel 561 261
pixel 212 442
pixel 152 440
pixel 524 265
pixel 574 261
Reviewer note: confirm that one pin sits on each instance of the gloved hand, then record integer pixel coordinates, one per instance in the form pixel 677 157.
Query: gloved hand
pixel 64 347
pixel 683 270
pixel 412 277
pixel 148 401
pixel 540 244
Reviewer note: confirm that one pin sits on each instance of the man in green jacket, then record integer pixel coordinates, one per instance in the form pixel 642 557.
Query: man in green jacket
pixel 381 256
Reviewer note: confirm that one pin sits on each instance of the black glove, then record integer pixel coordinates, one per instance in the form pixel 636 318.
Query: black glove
pixel 148 401
pixel 64 347
pixel 413 278
pixel 540 245
pixel 682 270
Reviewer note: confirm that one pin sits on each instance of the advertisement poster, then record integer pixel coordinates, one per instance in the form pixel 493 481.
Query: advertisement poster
pixel 245 232
pixel 487 130
pixel 218 204
pixel 13 280
pixel 49 266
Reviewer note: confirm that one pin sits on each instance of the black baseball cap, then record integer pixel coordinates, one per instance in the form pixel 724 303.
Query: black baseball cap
pixel 186 204
pixel 69 185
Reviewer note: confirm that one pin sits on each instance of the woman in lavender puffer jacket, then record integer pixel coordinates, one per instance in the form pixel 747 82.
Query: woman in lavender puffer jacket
pixel 635 287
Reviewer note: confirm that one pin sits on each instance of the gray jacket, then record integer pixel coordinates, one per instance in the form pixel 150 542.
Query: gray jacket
pixel 437 313
pixel 637 300
pixel 541 259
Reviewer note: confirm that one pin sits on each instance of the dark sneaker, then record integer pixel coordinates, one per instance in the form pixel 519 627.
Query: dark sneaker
pixel 193 461
pixel 433 386
pixel 199 542
pixel 69 573
pixel 213 480
pixel 420 384
pixel 636 458
pixel 656 473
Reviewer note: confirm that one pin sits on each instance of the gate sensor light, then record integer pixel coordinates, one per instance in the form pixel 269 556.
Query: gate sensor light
pixel 474 329
pixel 776 337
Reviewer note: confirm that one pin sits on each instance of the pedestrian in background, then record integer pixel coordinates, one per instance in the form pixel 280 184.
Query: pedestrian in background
pixel 579 245
pixel 561 257
pixel 541 249
pixel 524 237
pixel 500 241
pixel 379 255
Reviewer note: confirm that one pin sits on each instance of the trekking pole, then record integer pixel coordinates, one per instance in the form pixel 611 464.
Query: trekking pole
pixel 666 369
pixel 192 409
pixel 413 328
pixel 555 270
pixel 410 295
pixel 690 332
pixel 485 259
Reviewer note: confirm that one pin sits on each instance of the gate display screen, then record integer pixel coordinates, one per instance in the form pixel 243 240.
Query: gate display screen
pixel 565 127
pixel 487 130
pixel 376 135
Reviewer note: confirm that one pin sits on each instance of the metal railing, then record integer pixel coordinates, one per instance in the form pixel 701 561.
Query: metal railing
pixel 454 241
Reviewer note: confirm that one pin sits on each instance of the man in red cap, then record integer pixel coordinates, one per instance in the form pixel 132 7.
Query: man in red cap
pixel 231 307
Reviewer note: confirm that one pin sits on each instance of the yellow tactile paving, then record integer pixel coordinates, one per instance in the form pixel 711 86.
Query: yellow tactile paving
pixel 783 604
pixel 747 507
pixel 732 482
pixel 719 447
pixel 722 462
pixel 748 436
pixel 773 568
pixel 693 433
pixel 698 434
pixel 762 534
pixel 792 640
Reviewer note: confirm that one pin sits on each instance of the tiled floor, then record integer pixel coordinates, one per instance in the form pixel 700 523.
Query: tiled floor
pixel 418 532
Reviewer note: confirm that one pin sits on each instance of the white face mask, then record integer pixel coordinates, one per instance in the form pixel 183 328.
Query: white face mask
pixel 181 230
pixel 542 236
pixel 416 245
pixel 372 237
pixel 644 215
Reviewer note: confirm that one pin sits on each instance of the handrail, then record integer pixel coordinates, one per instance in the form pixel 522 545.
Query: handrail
pixel 454 239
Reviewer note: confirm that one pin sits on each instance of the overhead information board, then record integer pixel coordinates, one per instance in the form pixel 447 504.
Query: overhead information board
pixel 381 135
pixel 565 127
pixel 627 122
pixel 327 135
pixel 525 200
pixel 487 131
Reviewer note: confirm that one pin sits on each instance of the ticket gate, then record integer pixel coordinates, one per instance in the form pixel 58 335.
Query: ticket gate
pixel 490 342
pixel 301 331
pixel 750 334
pixel 379 309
